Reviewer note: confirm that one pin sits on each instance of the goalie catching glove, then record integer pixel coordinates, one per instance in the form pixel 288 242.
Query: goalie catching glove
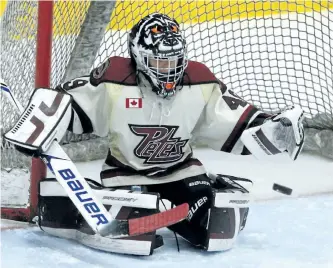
pixel 45 119
pixel 279 133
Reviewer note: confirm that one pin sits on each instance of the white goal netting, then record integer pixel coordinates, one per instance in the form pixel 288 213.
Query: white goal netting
pixel 272 54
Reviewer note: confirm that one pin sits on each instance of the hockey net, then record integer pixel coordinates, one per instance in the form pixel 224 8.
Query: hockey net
pixel 273 54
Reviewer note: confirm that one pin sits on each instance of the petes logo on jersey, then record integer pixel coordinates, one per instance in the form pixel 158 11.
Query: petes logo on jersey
pixel 158 145
pixel 133 102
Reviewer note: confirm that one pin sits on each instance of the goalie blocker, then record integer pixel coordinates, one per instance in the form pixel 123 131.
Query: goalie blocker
pixel 227 214
pixel 44 120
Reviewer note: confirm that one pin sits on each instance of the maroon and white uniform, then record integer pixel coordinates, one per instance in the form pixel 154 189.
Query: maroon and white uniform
pixel 150 137
pixel 153 107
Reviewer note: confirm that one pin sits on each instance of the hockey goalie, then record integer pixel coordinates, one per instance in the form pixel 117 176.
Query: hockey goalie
pixel 153 106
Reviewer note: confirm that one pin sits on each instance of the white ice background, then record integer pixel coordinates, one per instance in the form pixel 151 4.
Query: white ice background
pixel 288 231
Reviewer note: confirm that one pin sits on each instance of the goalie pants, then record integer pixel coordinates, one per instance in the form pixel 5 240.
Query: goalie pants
pixel 198 193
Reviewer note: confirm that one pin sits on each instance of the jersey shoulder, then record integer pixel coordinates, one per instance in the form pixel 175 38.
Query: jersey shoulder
pixel 116 70
pixel 198 73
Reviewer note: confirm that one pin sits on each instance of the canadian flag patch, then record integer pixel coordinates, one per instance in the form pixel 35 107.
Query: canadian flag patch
pixel 133 102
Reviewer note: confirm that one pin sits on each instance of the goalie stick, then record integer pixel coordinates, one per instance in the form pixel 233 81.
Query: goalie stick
pixel 82 196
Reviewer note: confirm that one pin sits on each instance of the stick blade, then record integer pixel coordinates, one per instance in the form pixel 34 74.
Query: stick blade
pixel 156 221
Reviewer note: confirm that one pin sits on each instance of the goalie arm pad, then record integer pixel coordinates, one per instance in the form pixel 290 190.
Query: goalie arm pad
pixel 223 119
pixel 281 132
pixel 45 119
pixel 91 106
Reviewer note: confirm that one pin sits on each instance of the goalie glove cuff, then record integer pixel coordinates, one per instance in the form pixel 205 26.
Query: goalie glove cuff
pixel 279 133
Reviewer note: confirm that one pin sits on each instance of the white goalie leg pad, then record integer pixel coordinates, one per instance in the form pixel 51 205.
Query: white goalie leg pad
pixel 51 187
pixel 232 200
pixel 57 218
pixel 138 246
pixel 227 218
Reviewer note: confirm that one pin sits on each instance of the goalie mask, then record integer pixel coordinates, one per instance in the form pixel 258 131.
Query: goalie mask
pixel 158 50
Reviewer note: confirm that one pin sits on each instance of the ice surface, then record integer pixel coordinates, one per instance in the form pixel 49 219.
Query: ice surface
pixel 290 233
pixel 316 171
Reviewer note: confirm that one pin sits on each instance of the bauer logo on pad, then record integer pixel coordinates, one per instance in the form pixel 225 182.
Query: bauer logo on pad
pixel 133 102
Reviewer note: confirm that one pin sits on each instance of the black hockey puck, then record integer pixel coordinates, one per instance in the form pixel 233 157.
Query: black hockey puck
pixel 282 189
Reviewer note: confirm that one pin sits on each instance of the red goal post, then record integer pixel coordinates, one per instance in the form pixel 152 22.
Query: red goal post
pixel 272 53
pixel 42 79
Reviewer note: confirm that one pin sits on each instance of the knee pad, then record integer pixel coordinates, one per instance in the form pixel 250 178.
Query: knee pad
pixel 230 183
pixel 200 204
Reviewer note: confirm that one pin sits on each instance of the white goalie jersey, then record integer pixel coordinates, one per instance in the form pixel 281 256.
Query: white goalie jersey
pixel 150 137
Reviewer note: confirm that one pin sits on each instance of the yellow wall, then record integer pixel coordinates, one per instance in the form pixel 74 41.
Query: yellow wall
pixel 201 11
pixel 127 13
pixel 2 7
